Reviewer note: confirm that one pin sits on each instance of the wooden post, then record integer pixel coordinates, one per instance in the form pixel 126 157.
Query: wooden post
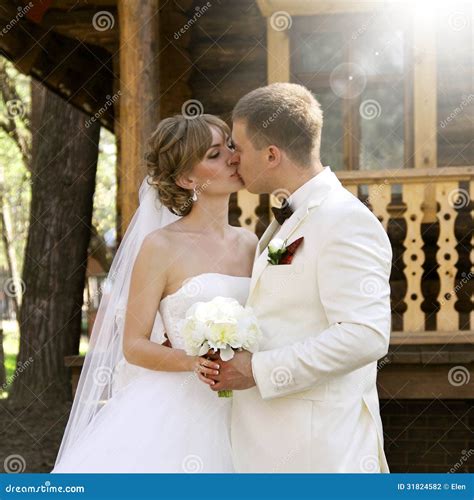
pixel 278 70
pixel 139 96
pixel 278 50
pixel 424 100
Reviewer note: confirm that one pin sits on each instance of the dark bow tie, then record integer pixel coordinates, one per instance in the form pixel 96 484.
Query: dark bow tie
pixel 283 213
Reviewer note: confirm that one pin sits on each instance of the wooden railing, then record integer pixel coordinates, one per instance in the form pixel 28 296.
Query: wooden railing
pixel 433 212
pixel 428 215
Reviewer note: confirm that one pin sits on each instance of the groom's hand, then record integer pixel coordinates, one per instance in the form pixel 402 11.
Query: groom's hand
pixel 234 374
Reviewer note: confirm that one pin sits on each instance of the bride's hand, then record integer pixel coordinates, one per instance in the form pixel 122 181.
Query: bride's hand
pixel 204 366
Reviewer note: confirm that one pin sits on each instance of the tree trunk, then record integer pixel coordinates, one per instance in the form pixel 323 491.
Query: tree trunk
pixel 64 162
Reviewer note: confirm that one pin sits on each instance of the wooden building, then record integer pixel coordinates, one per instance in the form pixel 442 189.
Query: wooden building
pixel 395 80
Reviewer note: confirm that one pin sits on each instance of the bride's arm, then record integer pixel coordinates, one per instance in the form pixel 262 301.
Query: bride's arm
pixel 146 289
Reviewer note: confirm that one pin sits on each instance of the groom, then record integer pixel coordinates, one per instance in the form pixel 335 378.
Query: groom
pixel 307 401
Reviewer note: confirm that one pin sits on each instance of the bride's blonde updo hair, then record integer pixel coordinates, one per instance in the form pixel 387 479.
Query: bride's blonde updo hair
pixel 175 147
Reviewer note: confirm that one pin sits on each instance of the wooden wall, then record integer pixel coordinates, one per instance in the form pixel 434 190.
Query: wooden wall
pixel 175 58
pixel 228 54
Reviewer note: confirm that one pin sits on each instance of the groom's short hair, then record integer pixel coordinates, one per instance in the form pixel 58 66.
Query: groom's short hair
pixel 286 115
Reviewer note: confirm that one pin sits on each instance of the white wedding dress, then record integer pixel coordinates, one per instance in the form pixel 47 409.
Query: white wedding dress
pixel 163 421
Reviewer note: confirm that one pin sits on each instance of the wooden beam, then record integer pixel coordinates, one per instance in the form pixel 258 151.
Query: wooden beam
pixel 312 7
pixel 426 381
pixel 432 337
pixel 58 62
pixel 404 176
pixel 139 100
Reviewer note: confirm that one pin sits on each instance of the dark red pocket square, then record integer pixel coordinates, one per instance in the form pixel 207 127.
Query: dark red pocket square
pixel 287 257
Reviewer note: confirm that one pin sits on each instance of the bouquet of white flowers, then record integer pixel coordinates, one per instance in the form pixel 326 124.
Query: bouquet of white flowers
pixel 221 324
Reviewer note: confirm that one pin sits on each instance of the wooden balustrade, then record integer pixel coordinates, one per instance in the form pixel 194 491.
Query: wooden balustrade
pixel 432 279
pixel 404 206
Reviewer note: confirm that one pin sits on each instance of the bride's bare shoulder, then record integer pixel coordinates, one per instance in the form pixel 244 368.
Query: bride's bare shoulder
pixel 157 243
pixel 164 239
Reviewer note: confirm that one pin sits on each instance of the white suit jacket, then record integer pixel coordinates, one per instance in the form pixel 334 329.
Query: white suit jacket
pixel 326 321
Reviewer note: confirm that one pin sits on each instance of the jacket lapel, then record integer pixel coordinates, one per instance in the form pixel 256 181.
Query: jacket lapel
pixel 290 226
pixel 267 236
pixel 317 196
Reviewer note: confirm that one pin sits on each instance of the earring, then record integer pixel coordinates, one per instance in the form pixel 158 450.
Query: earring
pixel 195 196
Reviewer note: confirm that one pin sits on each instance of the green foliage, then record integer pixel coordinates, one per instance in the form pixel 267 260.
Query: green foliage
pixel 15 172
pixel 104 215
pixel 10 347
pixel 17 176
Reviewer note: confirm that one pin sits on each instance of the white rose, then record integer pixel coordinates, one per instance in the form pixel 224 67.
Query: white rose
pixel 221 334
pixel 194 334
pixel 276 245
pixel 249 333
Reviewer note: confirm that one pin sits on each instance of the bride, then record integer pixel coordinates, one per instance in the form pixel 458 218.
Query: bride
pixel 139 406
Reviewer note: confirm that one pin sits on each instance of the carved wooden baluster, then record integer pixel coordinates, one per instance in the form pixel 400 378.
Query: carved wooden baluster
pixel 414 317
pixel 379 197
pixel 248 202
pixel 446 195
pixel 353 189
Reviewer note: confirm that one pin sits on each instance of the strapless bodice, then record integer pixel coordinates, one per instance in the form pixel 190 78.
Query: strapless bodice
pixel 199 288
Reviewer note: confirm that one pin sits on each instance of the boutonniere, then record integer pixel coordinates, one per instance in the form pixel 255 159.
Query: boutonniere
pixel 280 253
